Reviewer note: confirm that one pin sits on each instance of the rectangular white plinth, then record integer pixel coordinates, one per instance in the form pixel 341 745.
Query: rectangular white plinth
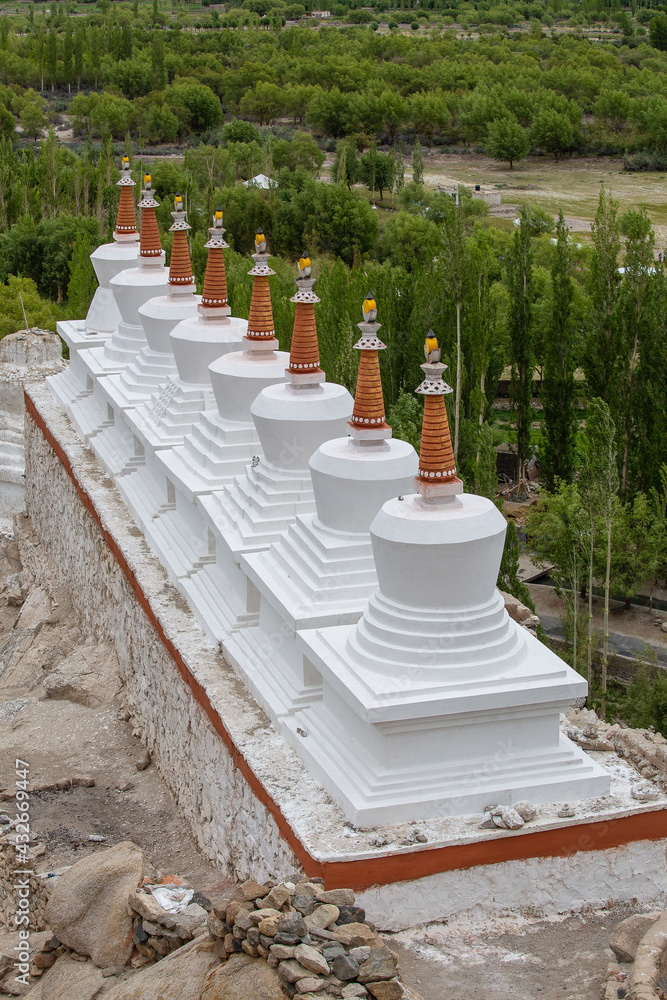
pixel 254 802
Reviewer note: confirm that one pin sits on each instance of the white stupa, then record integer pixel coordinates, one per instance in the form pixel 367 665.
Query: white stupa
pixel 164 421
pixel 223 440
pixel 447 702
pixel 292 419
pixel 131 288
pixel 103 316
pixel 321 571
pixel 117 448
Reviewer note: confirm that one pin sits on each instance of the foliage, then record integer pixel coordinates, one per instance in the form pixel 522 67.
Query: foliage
pixel 557 458
pixel 82 282
pixel 40 311
pixel 506 140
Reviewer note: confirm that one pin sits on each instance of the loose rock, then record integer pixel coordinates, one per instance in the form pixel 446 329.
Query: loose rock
pixel 312 960
pixel 323 916
pixel 87 910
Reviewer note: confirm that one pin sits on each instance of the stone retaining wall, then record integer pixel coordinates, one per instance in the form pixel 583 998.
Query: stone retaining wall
pixel 231 825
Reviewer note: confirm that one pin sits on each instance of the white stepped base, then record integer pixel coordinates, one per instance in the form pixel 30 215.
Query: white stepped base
pixel 148 373
pixel 78 338
pixel 252 512
pixel 247 516
pixel 215 603
pixel 90 412
pixel 258 659
pixel 118 351
pixel 315 576
pixel 212 454
pixel 169 415
pixel 72 384
pixel 389 790
pixel 117 449
pixel 181 550
pixel 66 389
pixel 142 494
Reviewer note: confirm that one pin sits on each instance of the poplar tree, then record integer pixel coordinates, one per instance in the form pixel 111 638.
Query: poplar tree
pixel 82 282
pixel 601 350
pixel 598 475
pixel 398 175
pixel 52 55
pixel 68 50
pixel 521 340
pixel 636 325
pixel 417 163
pixel 79 44
pixel 454 271
pixel 557 460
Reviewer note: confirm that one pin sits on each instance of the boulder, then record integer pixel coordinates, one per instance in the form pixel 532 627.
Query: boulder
pixel 68 980
pixel 90 676
pixel 626 936
pixel 87 910
pixel 181 975
pixel 242 978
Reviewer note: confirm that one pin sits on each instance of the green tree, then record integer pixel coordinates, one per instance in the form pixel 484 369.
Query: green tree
pixel 508 574
pixel 557 460
pixel 599 476
pixel 558 529
pixel 345 164
pixel 405 419
pixel 507 141
pixel 264 102
pixel 417 163
pixel 51 56
pixel 68 52
pixel 657 31
pixel 602 347
pixel 454 263
pixel 33 119
pixel 519 272
pixel 82 282
pixel 397 174
pixel 7 123
pixel 552 131
pixel 636 321
pixel 40 312
pixel 327 112
pixel 634 547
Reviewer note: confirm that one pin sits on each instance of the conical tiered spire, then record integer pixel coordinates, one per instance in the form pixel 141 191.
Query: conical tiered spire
pixel 261 335
pixel 126 222
pixel 214 296
pixel 181 278
pixel 150 248
pixel 437 469
pixel 304 361
pixel 368 419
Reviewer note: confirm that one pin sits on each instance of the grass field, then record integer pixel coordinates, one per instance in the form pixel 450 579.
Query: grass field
pixel 572 185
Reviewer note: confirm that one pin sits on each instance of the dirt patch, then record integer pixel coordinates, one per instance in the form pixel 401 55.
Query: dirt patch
pixel 522 958
pixel 636 622
pixel 572 184
pixel 65 737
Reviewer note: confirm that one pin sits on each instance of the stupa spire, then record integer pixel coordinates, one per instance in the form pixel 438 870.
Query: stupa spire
pixel 126 221
pixel 214 303
pixel 304 361
pixel 437 468
pixel 181 278
pixel 150 248
pixel 261 333
pixel 368 418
